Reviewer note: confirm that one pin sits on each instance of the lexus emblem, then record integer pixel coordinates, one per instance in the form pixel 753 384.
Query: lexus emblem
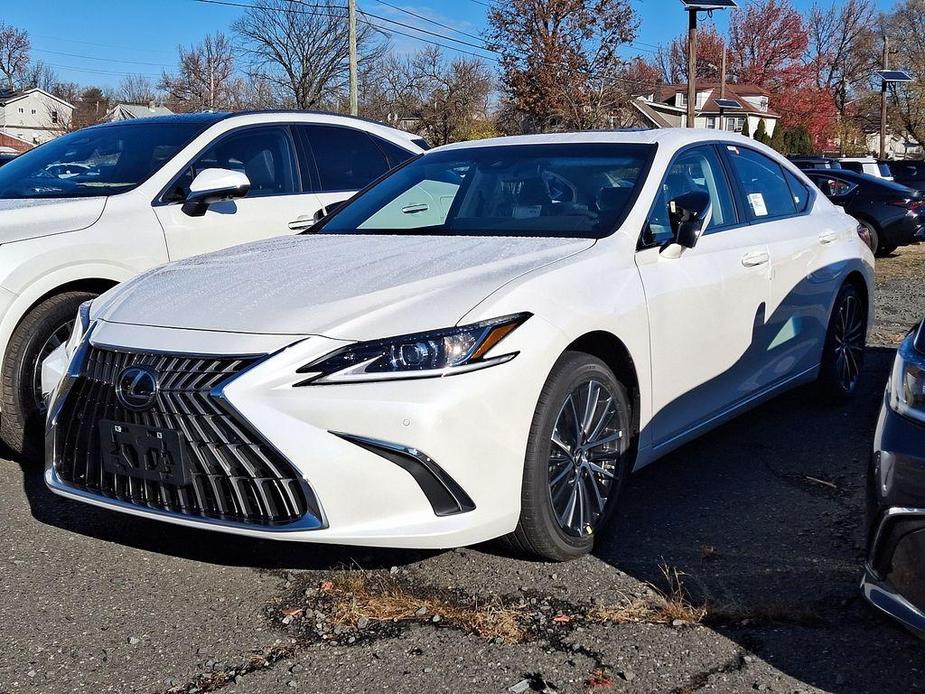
pixel 136 387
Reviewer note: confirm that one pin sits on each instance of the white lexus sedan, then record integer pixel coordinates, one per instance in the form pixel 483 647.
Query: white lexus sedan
pixel 484 343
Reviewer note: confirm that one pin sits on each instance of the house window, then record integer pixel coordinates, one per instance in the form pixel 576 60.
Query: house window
pixel 54 116
pixel 680 99
pixel 33 112
pixel 710 122
pixel 21 111
pixel 735 124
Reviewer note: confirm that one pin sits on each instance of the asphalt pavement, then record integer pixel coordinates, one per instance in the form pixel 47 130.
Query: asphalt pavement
pixel 732 565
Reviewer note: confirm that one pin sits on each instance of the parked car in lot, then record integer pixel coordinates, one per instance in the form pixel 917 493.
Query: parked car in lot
pixel 909 173
pixel 894 577
pixel 891 213
pixel 484 343
pixel 7 157
pixel 809 161
pixel 867 165
pixel 95 207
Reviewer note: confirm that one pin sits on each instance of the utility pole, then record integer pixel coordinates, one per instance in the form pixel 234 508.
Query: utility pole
pixel 722 74
pixel 886 60
pixel 691 66
pixel 352 40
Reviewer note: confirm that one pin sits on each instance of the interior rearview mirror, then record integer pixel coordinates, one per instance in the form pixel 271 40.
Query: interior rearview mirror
pixel 689 215
pixel 214 185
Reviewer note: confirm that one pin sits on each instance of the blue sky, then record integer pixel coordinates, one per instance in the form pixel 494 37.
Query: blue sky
pixel 98 41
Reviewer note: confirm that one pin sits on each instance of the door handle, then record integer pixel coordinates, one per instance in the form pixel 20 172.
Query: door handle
pixel 755 258
pixel 828 237
pixel 302 223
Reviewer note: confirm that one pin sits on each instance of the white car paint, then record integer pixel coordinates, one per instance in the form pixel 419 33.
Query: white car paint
pixel 48 244
pixel 697 328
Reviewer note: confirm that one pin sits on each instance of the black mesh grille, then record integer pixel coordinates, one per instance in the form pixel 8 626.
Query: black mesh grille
pixel 234 475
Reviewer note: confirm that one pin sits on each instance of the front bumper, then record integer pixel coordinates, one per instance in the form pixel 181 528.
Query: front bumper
pixel 472 427
pixel 894 575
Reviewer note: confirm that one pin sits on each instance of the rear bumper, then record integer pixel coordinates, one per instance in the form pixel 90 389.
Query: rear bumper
pixel 884 597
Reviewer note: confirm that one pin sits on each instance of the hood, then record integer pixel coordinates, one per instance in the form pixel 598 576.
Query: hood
pixel 341 286
pixel 30 218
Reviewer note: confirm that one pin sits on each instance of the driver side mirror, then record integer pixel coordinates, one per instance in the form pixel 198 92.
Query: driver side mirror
pixel 689 215
pixel 214 185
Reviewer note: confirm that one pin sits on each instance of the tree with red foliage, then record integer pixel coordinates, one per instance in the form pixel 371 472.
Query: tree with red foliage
pixel 767 46
pixel 560 62
pixel 671 60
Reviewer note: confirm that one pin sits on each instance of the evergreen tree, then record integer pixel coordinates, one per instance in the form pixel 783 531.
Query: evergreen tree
pixel 761 133
pixel 746 131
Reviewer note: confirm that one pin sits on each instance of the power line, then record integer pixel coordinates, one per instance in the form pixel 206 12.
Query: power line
pixel 105 60
pixel 96 71
pixel 428 19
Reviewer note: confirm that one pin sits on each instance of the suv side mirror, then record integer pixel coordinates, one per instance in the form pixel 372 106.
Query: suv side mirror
pixel 689 215
pixel 214 185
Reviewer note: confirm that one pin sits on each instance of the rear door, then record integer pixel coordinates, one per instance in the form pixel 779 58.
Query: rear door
pixel 705 306
pixel 345 160
pixel 804 278
pixel 274 205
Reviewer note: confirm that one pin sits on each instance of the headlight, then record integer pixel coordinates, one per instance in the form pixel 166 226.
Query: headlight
pixel 421 355
pixel 81 325
pixel 907 384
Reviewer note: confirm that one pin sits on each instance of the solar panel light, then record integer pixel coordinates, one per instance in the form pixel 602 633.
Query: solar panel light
pixel 727 103
pixel 708 5
pixel 894 75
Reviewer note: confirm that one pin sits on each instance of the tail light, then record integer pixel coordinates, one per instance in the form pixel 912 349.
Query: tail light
pixel 915 205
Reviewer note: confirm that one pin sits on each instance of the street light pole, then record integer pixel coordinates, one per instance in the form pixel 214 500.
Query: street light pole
pixel 886 59
pixel 352 41
pixel 691 66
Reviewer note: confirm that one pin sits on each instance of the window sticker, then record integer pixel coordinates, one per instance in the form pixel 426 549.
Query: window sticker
pixel 756 200
pixel 527 211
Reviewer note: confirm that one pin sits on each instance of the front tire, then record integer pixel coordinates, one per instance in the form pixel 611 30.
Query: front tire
pixel 843 353
pixel 576 460
pixel 42 330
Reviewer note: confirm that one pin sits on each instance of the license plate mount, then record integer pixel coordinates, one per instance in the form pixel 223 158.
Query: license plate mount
pixel 143 452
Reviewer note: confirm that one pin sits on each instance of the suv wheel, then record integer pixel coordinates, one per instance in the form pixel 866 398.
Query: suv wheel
pixel 41 331
pixel 576 460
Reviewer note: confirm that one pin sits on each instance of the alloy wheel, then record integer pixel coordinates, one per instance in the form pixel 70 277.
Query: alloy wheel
pixel 57 338
pixel 587 444
pixel 849 342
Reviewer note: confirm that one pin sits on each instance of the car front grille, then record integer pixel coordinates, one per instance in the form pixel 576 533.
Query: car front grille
pixel 233 474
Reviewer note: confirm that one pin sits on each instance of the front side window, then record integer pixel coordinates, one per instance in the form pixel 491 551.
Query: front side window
pixel 347 159
pixel 766 192
pixel 696 169
pixel 265 155
pixel 103 160
pixel 580 191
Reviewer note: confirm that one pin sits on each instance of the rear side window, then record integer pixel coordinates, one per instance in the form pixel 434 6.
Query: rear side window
pixel 766 192
pixel 347 159
pixel 833 187
pixel 853 166
pixel 799 191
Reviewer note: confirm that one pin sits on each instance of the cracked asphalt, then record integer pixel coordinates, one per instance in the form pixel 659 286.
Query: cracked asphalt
pixel 763 517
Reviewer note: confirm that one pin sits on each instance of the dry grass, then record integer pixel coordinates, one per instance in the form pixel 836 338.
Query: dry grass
pixel 666 606
pixel 359 596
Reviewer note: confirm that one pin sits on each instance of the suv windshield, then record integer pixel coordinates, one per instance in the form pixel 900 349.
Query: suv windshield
pixel 575 190
pixel 97 161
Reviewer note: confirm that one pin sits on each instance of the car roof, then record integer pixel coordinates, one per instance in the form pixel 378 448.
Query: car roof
pixel 210 118
pixel 857 177
pixel 671 137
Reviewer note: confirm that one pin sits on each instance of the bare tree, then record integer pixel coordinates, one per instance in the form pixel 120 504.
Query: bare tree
pixel 672 59
pixel 136 89
pixel 204 77
pixel 14 53
pixel 442 100
pixel 38 74
pixel 301 49
pixel 560 61
pixel 906 28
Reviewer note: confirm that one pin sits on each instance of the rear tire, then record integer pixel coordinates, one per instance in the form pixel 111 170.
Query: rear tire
pixel 22 420
pixel 570 487
pixel 843 353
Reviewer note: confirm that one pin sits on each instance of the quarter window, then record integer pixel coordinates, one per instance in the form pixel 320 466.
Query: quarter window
pixel 346 159
pixel 766 192
pixel 696 169
pixel 799 191
pixel 833 187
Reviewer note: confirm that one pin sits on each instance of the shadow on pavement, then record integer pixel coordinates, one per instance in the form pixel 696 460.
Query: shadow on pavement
pixel 765 516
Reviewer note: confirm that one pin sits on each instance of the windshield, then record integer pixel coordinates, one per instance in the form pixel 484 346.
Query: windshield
pixel 575 190
pixel 96 161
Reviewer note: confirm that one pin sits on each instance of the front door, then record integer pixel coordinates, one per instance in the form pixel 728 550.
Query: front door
pixel 705 306
pixel 274 206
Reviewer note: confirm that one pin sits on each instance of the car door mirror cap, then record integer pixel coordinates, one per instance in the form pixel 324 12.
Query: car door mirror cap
pixel 689 215
pixel 214 185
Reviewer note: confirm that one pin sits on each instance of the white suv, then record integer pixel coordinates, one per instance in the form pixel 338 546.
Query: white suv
pixel 485 342
pixel 93 208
